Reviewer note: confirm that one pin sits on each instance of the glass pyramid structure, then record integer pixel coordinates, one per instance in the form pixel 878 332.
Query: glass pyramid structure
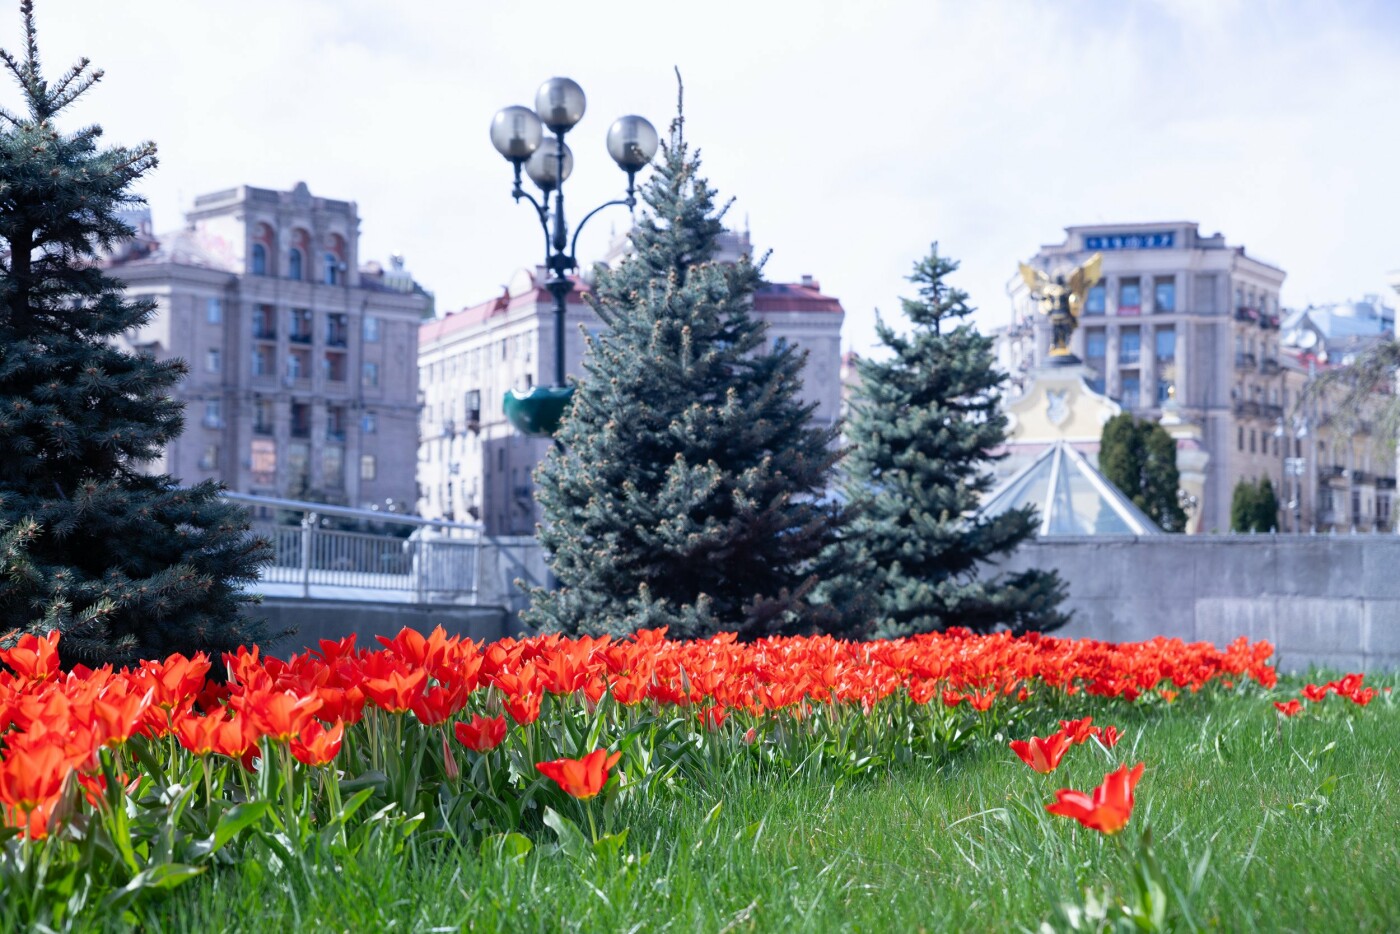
pixel 1070 497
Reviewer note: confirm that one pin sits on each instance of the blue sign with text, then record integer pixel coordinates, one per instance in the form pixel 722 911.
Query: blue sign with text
pixel 1131 241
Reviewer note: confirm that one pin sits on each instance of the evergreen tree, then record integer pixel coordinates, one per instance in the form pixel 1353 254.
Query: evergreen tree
pixel 124 565
pixel 1139 457
pixel 923 425
pixel 686 486
pixel 1254 506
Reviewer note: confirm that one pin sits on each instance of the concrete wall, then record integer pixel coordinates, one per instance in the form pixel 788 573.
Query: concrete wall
pixel 314 620
pixel 1325 600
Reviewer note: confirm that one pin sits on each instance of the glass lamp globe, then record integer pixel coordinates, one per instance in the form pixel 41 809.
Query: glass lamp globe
pixel 543 166
pixel 632 141
pixel 516 132
pixel 560 104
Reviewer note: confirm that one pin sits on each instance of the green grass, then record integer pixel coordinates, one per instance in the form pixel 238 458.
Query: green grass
pixel 965 845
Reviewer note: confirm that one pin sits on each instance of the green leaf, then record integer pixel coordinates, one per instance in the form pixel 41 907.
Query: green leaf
pixel 237 819
pixel 609 846
pixel 571 840
pixel 165 876
pixel 509 847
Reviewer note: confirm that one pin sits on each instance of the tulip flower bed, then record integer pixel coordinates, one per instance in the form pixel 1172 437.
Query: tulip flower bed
pixel 548 782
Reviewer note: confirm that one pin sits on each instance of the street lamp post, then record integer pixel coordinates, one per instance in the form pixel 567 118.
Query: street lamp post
pixel 518 133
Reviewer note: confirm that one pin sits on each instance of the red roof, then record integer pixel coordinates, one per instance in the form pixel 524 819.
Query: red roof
pixel 770 297
pixel 474 315
pixel 794 296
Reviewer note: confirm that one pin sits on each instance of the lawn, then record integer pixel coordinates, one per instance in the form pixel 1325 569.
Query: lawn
pixel 788 784
pixel 1257 822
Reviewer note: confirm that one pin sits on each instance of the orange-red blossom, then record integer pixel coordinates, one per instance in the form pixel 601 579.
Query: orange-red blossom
pixel 1108 810
pixel 581 778
pixel 1043 755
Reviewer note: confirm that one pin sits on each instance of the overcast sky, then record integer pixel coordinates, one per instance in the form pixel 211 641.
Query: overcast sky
pixel 851 134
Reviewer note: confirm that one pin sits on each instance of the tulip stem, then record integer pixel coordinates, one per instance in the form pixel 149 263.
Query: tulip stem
pixel 592 828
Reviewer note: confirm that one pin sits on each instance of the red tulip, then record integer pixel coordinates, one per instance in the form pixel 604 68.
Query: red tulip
pixel 318 745
pixel 1290 708
pixel 397 692
pixel 32 657
pixel 1362 696
pixel 1079 730
pixel 1316 692
pixel 482 734
pixel 524 709
pixel 1108 810
pixel 1108 735
pixel 1043 755
pixel 581 778
pixel 277 714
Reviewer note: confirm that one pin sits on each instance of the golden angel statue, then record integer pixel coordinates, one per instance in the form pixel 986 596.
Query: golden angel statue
pixel 1062 298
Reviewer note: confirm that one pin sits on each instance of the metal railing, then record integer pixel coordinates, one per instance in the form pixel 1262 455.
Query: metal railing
pixel 437 562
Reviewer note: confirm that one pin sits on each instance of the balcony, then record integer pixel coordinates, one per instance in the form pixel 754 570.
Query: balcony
pixel 335 435
pixel 1268 366
pixel 1247 410
pixel 1245 361
pixel 262 428
pixel 1271 411
pixel 299 337
pixel 1385 483
pixel 1244 313
pixel 263 332
pixel 1332 472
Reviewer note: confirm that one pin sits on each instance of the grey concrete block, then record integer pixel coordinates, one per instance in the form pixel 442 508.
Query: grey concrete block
pixel 1319 565
pixel 1380 566
pixel 1297 662
pixel 1382 627
pixel 1317 625
pixel 1222 620
pixel 1236 567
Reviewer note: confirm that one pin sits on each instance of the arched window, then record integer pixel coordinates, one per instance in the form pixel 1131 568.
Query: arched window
pixel 294 264
pixel 259 260
pixel 332 268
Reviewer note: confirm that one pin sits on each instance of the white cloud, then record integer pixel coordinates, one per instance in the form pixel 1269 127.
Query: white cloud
pixel 852 134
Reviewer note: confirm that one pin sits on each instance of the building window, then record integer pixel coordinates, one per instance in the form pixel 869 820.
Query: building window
pixel 334 367
pixel 333 467
pixel 1355 506
pixel 264 361
pixel 262 416
pixel 337 330
pixel 298 467
pixel 332 269
pixel 214 310
pixel 213 413
pixel 368 424
pixel 299 327
pixel 370 379
pixel 294 264
pixel 1166 345
pixel 1164 391
pixel 1131 394
pixel 369 329
pixel 1129 346
pixel 472 404
pixel 368 467
pixel 1129 297
pixel 1251 441
pixel 209 460
pixel 259 260
pixel 1095 345
pixel 262 459
pixel 1095 301
pixel 265 323
pixel 296 366
pixel 1164 295
pixel 211 360
pixel 1239 442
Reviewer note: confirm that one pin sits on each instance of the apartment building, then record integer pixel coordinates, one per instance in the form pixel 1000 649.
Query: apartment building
pixel 1180 320
pixel 303 378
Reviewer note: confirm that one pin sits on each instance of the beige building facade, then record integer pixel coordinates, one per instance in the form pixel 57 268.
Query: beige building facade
pixel 1181 324
pixel 303 378
pixel 473 466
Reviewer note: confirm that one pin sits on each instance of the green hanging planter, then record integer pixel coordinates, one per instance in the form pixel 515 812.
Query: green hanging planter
pixel 538 410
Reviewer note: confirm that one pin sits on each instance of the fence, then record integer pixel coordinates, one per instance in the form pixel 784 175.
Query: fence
pixel 442 562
